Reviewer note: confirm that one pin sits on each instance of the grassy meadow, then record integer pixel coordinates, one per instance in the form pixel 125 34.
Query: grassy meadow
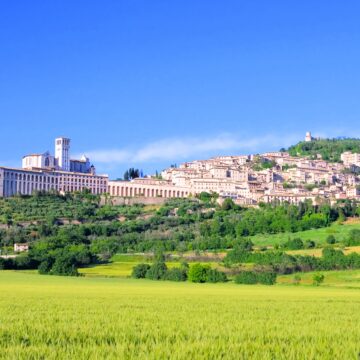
pixel 121 265
pixel 50 317
pixel 340 231
pixel 341 278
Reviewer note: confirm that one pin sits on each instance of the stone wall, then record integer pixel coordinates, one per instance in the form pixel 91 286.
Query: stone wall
pixel 119 200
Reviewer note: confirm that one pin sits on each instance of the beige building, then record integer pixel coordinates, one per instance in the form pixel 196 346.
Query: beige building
pixel 281 197
pixel 353 192
pixel 229 176
pixel 44 172
pixel 146 188
pixel 26 182
pixel 349 158
pixel 40 161
pixel 18 247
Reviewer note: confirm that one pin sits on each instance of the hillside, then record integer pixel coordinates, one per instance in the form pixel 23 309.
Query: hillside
pixel 179 224
pixel 329 149
pixel 72 231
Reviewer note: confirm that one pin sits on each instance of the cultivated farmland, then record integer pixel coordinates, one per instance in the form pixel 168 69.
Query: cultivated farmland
pixel 49 317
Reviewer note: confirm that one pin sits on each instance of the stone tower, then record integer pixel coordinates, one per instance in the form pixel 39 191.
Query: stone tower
pixel 62 153
pixel 308 136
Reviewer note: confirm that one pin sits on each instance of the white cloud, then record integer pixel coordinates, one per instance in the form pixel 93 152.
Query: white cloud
pixel 108 156
pixel 175 149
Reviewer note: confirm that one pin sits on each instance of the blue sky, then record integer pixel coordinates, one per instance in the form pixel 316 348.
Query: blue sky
pixel 151 83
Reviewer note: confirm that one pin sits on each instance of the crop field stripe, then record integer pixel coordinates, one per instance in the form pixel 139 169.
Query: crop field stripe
pixel 48 317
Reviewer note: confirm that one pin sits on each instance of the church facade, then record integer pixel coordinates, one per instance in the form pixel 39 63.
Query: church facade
pixel 45 172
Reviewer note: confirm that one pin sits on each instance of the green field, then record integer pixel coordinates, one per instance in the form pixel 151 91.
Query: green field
pixel 317 252
pixel 49 317
pixel 343 278
pixel 115 269
pixel 340 231
pixel 121 265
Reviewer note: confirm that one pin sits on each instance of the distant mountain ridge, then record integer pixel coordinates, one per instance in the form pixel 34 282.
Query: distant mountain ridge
pixel 329 149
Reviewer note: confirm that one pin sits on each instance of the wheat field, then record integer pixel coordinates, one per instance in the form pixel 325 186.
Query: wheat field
pixel 48 317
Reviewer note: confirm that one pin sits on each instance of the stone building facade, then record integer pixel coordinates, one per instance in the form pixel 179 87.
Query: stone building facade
pixel 147 188
pixel 44 172
pixel 26 182
pixel 349 158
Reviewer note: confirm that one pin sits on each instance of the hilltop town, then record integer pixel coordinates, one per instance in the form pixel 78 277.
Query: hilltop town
pixel 282 176
pixel 252 179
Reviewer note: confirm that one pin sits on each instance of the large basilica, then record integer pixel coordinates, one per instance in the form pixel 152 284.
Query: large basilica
pixel 61 160
pixel 45 172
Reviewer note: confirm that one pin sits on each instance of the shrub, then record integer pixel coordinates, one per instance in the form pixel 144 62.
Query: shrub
pixel 310 244
pixel 198 273
pixel 64 265
pixel 266 278
pixel 23 262
pixel 318 279
pixel 7 264
pixel 246 277
pixel 215 276
pixel 176 274
pixel 294 244
pixel 331 239
pixel 353 238
pixel 139 271
pixel 252 277
pixel 45 266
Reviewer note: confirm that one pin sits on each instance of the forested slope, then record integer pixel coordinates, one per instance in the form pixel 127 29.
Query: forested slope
pixel 329 149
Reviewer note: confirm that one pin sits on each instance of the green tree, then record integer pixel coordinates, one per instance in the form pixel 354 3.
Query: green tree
pixel 198 273
pixel 228 204
pixel 131 173
pixel 176 274
pixel 246 277
pixel 65 264
pixel 158 269
pixel 139 271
